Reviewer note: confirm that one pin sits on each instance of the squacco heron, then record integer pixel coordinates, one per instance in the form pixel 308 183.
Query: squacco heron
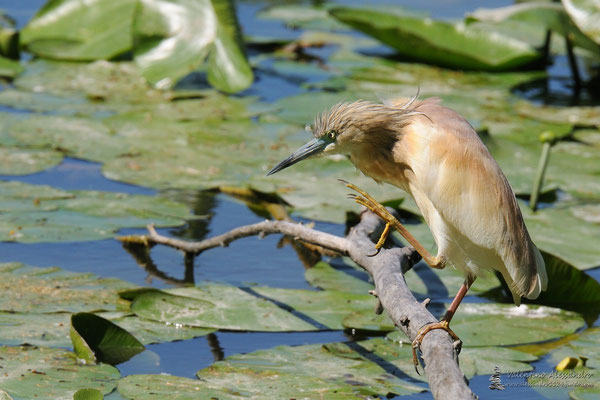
pixel 435 155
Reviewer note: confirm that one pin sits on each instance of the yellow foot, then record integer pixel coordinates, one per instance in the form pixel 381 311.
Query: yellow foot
pixel 370 203
pixel 365 199
pixel 416 344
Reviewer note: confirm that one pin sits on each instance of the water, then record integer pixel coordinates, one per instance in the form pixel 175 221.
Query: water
pixel 243 263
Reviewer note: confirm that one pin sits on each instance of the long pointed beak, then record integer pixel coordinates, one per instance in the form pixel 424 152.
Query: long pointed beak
pixel 311 148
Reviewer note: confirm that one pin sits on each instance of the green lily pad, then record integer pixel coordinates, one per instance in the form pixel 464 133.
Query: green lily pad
pixel 37 213
pixel 585 14
pixel 96 339
pixel 473 46
pixel 148 331
pixel 49 330
pixel 88 394
pixel 50 290
pixel 216 306
pixel 52 329
pixel 544 15
pixel 559 231
pixel 103 85
pixel 72 30
pixel 19 161
pixel 10 68
pixel 43 373
pixel 325 309
pixel 473 360
pixel 336 369
pixel 489 324
pixel 297 16
pixel 256 308
pixel 143 387
pixel 324 276
pixel 585 116
pixel 163 48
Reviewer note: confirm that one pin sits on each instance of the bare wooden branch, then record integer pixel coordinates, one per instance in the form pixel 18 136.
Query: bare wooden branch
pixel 439 351
pixel 264 228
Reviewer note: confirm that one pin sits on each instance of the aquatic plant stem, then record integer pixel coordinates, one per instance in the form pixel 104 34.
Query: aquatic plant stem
pixel 539 175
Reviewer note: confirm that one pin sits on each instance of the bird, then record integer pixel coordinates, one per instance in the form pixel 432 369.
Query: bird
pixel 432 153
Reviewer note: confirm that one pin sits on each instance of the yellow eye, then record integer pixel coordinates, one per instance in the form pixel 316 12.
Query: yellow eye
pixel 331 134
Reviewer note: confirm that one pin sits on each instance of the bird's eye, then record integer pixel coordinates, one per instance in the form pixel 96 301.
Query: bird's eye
pixel 331 134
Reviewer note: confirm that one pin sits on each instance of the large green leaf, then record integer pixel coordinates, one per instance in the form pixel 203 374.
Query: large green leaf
pixel 256 308
pixel 546 15
pixel 96 339
pixel 10 68
pixel 49 330
pixel 586 15
pixel 30 372
pixel 473 46
pixel 216 306
pixel 326 277
pixel 76 30
pixel 173 37
pixel 88 394
pixel 52 329
pixel 565 233
pixel 18 161
pixel 46 290
pixel 489 324
pixel 34 213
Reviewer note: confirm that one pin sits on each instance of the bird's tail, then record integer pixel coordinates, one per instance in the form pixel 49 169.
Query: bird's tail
pixel 541 283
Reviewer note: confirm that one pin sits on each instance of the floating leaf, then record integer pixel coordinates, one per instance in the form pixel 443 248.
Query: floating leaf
pixel 302 16
pixel 88 394
pixel 559 232
pixel 34 213
pixel 50 374
pixel 256 308
pixel 148 331
pixel 49 330
pixel 546 15
pixel 586 15
pixel 473 46
pixel 570 289
pixel 324 276
pixel 173 37
pixel 586 116
pixel 324 309
pixel 45 290
pixel 10 68
pixel 488 324
pixel 73 30
pixel 19 161
pixel 216 306
pixel 96 339
pixel 473 360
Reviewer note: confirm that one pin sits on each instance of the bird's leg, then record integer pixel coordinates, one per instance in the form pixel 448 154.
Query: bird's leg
pixel 392 222
pixel 444 322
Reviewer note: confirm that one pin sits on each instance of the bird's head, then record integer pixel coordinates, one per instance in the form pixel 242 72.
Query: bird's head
pixel 348 126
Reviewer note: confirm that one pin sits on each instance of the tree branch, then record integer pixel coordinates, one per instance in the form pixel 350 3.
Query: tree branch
pixel 439 351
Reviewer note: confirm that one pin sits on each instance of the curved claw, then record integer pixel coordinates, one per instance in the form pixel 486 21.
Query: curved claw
pixel 377 250
pixel 416 344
